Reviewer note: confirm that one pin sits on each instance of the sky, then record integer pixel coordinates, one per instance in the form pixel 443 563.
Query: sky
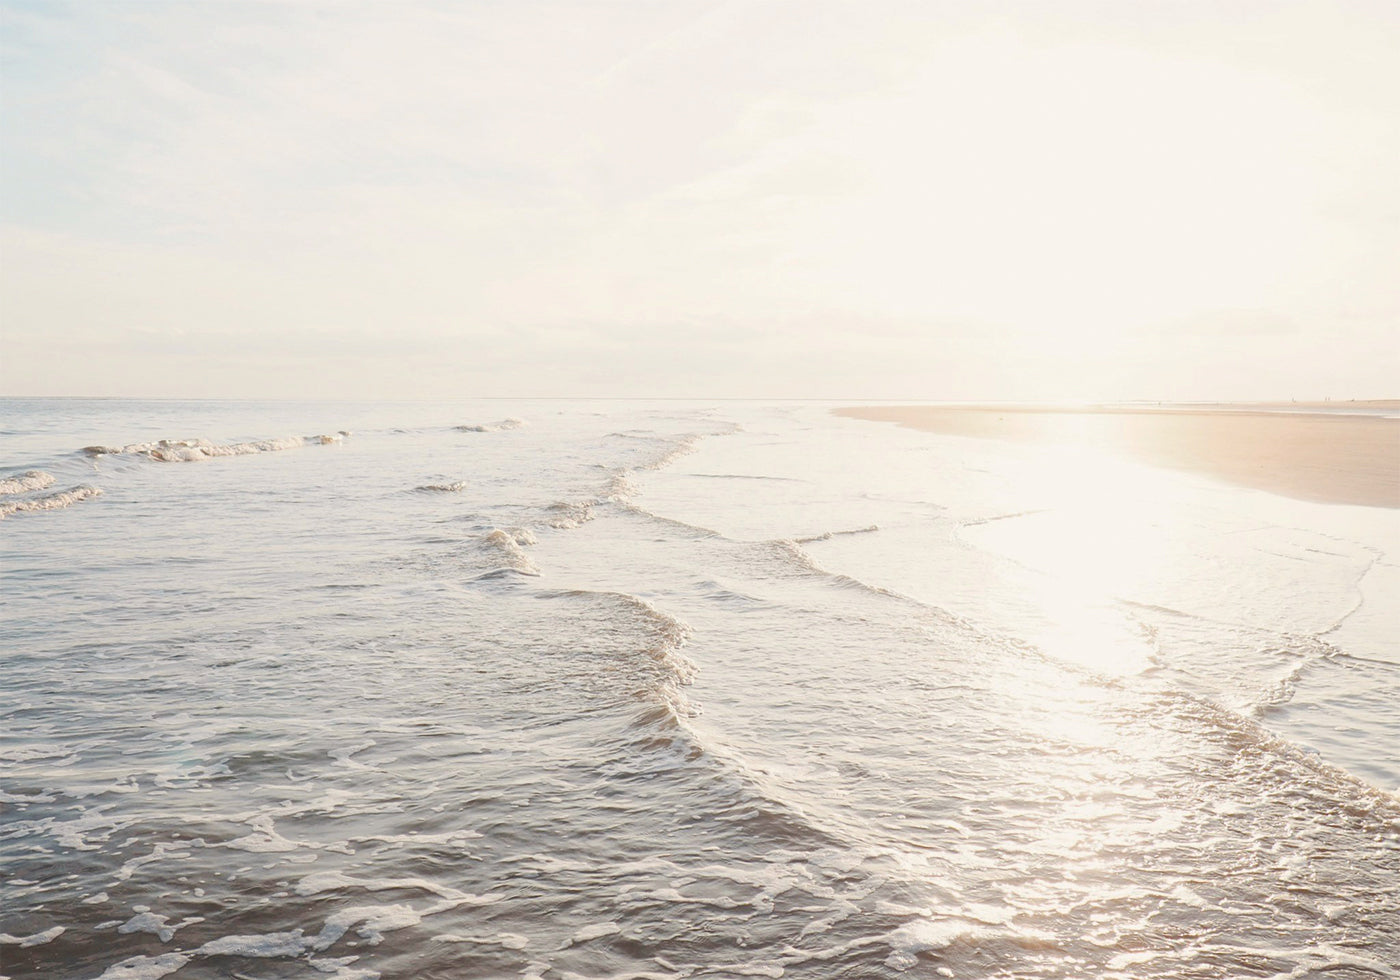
pixel 1083 200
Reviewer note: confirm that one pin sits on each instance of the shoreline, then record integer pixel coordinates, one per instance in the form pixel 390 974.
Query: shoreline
pixel 1337 457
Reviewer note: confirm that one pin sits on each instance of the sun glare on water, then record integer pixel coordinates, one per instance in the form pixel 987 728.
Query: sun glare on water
pixel 1100 532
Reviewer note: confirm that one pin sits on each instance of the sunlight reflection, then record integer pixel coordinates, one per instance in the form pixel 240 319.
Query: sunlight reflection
pixel 1098 531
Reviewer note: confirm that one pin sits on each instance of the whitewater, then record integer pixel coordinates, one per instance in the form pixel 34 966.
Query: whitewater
pixel 659 689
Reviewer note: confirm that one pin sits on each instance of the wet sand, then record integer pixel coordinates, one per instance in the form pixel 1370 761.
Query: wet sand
pixel 1327 456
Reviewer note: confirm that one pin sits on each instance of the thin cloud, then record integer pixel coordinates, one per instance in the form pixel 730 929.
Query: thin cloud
pixel 1067 186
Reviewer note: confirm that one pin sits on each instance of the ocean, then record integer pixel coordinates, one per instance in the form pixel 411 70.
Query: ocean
pixel 662 689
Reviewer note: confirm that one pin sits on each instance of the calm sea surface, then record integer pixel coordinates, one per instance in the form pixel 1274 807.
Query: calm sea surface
pixel 567 689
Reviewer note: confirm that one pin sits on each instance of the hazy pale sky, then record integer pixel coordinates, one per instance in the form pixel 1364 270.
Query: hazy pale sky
pixel 1085 199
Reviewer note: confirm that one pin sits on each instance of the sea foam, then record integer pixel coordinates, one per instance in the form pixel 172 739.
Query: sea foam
pixel 25 482
pixel 52 501
pixel 194 450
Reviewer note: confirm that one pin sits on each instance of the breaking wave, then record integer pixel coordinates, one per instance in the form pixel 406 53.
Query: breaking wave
pixel 661 669
pixel 25 482
pixel 193 450
pixel 827 536
pixel 501 426
pixel 621 486
pixel 672 452
pixel 508 544
pixel 51 501
pixel 456 487
pixel 565 515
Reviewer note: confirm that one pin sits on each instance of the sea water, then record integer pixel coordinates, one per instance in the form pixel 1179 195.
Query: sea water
pixel 567 689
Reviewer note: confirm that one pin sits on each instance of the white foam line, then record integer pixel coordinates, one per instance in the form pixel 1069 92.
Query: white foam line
pixel 159 853
pixel 192 450
pixel 373 921
pixel 501 426
pixel 508 940
pixel 325 881
pixel 52 501
pixel 590 932
pixel 828 535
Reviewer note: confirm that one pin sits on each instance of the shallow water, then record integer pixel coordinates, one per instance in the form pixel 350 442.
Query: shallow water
pixel 606 689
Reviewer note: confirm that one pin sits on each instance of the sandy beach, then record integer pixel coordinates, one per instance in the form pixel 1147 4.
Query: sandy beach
pixel 1328 456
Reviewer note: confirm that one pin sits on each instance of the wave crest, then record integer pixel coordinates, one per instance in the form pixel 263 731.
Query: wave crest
pixel 194 450
pixel 507 542
pixel 566 516
pixel 657 666
pixel 26 482
pixel 52 501
pixel 502 426
pixel 828 535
